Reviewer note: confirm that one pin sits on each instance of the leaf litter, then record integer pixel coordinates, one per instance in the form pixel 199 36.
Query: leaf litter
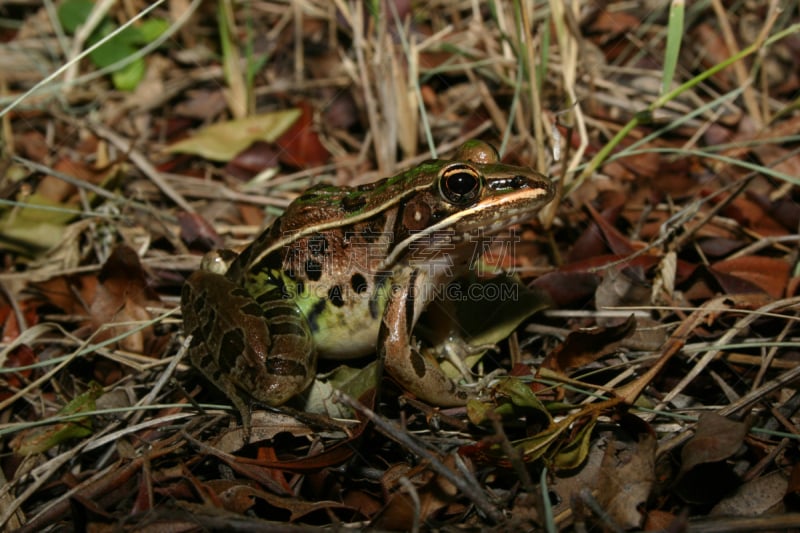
pixel 654 385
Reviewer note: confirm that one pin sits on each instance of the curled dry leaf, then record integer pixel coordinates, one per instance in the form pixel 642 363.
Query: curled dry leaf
pixel 121 297
pixel 626 478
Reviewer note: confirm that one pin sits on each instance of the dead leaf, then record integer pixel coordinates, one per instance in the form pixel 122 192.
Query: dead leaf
pixel 768 273
pixel 716 439
pixel 21 356
pixel 566 288
pixel 583 347
pixel 122 296
pixel 300 144
pixel 759 496
pixel 196 232
pixel 404 512
pixel 626 478
pixel 256 158
pixel 222 141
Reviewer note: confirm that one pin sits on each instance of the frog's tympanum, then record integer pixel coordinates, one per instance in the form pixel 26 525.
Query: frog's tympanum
pixel 346 272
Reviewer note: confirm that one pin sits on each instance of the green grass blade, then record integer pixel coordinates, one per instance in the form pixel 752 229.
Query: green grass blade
pixel 674 37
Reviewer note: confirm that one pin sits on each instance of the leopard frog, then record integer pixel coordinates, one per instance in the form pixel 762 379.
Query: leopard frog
pixel 346 272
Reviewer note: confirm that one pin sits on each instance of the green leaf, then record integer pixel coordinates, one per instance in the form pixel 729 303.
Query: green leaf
pixel 222 141
pixel 73 13
pixel 521 395
pixel 495 307
pixel 152 29
pixel 128 77
pixel 572 454
pixel 674 35
pixel 120 46
pixel 42 439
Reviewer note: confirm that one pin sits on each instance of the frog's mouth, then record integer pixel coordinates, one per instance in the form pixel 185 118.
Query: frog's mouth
pixel 487 217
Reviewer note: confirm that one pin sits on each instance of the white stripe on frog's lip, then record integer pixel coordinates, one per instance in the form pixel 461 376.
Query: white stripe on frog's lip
pixel 537 196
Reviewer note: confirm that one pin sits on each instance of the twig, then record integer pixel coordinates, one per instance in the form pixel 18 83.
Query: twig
pixel 396 433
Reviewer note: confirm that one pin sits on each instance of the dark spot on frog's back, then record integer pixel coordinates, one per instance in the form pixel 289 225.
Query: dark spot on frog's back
pixel 198 300
pixel 197 340
pixel 353 202
pixel 358 283
pixel 240 292
pixel 231 348
pixel 417 363
pixel 310 196
pixel 206 362
pixel 314 313
pixel 335 295
pixel 211 319
pixel 253 309
pixel 313 270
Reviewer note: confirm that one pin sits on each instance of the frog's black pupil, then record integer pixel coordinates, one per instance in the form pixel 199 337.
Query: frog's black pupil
pixel 462 183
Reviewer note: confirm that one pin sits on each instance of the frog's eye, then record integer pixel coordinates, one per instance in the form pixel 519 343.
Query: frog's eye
pixel 460 184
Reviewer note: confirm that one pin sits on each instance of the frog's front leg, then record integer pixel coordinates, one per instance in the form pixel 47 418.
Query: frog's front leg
pixel 253 351
pixel 416 372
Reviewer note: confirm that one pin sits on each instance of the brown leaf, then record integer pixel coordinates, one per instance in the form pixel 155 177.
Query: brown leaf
pixel 433 493
pixel 710 47
pixel 201 104
pixel 784 210
pixel 59 191
pixel 256 158
pixel 239 498
pixel 716 439
pixel 600 236
pixel 9 319
pixel 122 296
pixel 72 294
pixel 626 478
pixel 300 145
pixel 196 232
pixel 583 347
pixel 767 273
pixel 565 288
pixel 719 246
pixel 22 355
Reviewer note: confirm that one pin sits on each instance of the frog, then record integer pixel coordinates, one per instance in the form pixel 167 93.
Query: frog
pixel 346 272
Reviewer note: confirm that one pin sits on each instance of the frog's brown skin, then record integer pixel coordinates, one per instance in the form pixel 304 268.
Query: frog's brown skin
pixel 346 272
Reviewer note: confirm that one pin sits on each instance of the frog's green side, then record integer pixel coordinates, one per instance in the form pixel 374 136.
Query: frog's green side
pixel 346 272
